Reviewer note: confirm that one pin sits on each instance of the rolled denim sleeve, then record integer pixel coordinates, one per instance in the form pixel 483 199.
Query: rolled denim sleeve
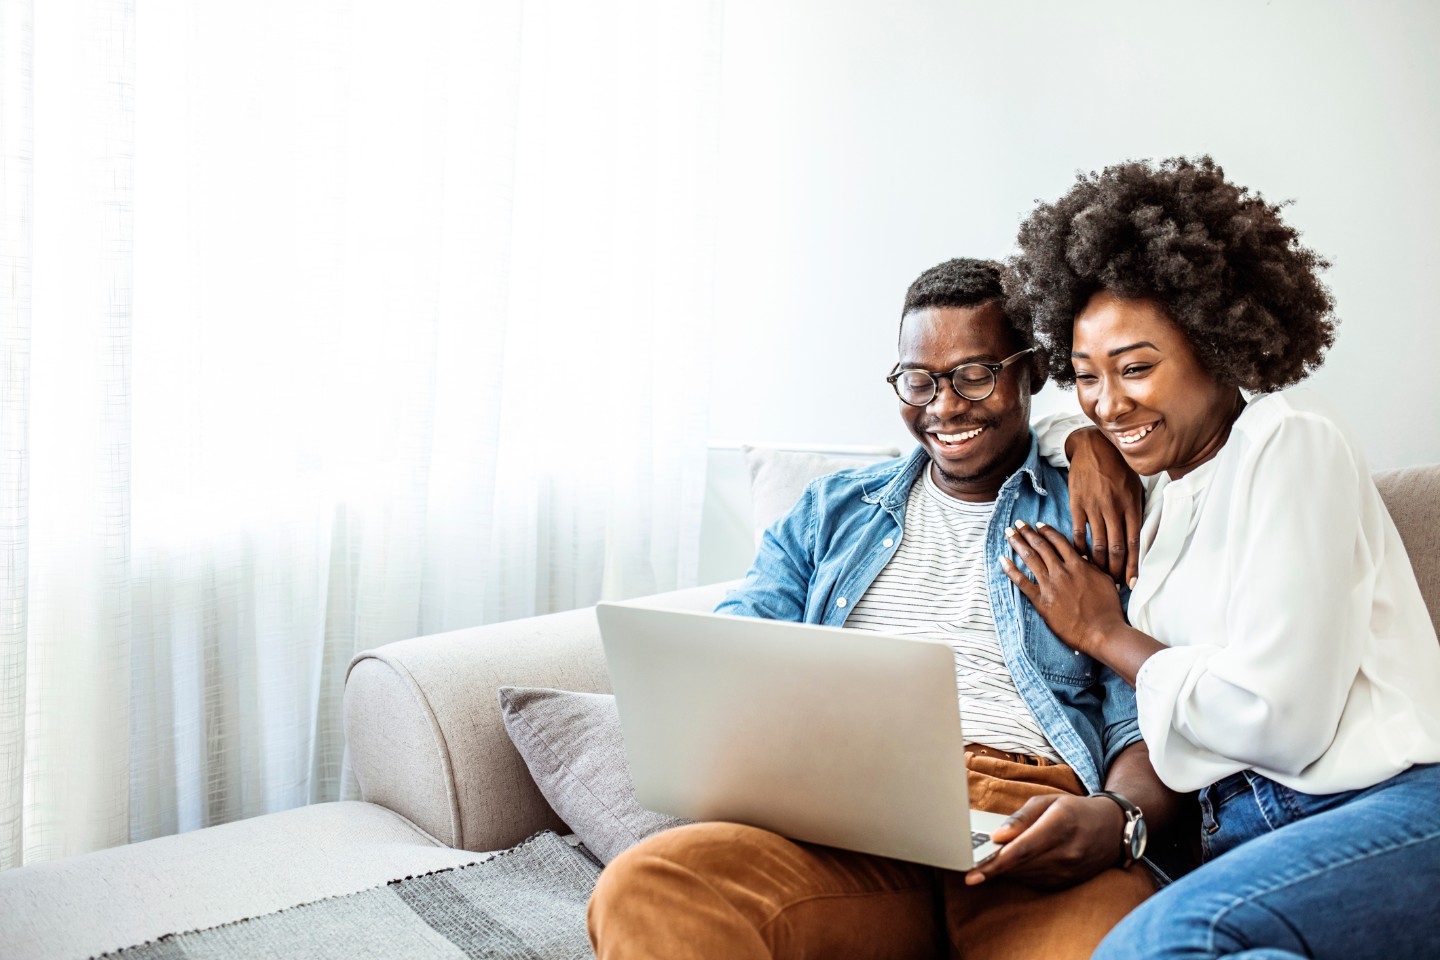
pixel 1122 726
pixel 1121 714
pixel 777 585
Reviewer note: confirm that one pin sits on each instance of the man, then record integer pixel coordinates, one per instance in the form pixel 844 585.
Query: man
pixel 912 546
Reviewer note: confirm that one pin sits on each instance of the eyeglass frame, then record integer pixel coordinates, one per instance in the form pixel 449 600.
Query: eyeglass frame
pixel 995 370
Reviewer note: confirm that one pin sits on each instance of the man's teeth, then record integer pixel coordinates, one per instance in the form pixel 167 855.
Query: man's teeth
pixel 1136 435
pixel 958 437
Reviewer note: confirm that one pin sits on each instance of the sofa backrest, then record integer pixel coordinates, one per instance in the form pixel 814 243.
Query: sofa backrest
pixel 1412 495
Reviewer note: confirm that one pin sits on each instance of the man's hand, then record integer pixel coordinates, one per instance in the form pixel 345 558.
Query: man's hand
pixel 1056 841
pixel 1106 494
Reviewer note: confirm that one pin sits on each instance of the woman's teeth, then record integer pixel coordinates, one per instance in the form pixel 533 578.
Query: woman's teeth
pixel 959 437
pixel 1135 436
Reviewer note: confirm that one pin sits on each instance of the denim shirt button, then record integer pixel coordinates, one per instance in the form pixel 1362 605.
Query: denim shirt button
pixel 888 542
pixel 840 602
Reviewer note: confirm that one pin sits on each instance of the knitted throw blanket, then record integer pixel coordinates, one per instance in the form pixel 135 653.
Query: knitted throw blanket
pixel 527 903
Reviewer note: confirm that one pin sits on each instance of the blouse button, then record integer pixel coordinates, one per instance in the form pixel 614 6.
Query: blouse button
pixel 840 602
pixel 888 543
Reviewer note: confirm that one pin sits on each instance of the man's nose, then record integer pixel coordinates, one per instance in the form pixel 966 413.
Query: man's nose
pixel 947 400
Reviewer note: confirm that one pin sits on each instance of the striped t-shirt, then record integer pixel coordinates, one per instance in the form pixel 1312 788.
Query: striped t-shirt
pixel 936 586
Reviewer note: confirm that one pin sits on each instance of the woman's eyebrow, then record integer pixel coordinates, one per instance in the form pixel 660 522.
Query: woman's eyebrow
pixel 1117 351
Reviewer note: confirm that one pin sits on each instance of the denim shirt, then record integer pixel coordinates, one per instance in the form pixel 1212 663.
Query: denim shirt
pixel 816 562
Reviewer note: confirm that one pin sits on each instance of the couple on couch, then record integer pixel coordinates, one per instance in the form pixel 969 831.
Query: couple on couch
pixel 1277 656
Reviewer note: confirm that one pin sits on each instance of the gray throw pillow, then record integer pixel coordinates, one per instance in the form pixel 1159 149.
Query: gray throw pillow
pixel 571 742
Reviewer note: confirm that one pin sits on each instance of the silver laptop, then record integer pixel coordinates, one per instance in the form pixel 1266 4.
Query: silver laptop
pixel 841 737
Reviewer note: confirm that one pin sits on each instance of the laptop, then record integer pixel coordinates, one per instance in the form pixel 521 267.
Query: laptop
pixel 846 738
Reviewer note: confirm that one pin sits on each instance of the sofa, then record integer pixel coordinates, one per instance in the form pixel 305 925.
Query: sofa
pixel 440 781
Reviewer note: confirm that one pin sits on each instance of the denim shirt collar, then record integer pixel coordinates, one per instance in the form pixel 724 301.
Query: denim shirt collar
pixel 892 495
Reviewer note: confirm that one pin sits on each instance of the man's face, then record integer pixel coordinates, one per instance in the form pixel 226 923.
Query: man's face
pixel 974 445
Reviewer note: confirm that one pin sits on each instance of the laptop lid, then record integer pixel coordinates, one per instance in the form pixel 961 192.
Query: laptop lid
pixel 847 738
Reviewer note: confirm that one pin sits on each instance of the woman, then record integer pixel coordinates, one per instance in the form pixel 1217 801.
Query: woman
pixel 1283 659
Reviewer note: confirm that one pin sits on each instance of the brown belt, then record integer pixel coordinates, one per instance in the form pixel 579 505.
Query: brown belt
pixel 980 750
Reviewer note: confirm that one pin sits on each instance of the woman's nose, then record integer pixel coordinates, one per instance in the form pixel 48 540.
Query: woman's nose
pixel 1111 402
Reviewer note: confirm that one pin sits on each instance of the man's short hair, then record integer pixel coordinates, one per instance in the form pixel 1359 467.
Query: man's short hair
pixel 966 282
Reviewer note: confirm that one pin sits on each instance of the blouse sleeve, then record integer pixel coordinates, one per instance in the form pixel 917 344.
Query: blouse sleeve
pixel 1052 431
pixel 1269 693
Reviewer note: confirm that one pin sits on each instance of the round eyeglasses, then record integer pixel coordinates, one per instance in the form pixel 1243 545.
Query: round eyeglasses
pixel 973 381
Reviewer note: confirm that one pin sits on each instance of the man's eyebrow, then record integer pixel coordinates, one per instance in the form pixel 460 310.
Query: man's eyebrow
pixel 1117 351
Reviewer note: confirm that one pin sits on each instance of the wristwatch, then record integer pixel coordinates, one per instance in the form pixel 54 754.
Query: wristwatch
pixel 1132 841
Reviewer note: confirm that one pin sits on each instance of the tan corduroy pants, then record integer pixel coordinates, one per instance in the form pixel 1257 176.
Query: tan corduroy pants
pixel 723 891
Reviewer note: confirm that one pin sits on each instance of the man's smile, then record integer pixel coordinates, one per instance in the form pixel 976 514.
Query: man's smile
pixel 954 439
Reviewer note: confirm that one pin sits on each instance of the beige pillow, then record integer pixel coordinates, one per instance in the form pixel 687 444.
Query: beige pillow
pixel 778 477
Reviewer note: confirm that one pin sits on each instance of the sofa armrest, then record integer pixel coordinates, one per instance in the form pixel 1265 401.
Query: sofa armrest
pixel 423 724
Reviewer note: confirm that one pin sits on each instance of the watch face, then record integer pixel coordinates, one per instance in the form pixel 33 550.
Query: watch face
pixel 1138 836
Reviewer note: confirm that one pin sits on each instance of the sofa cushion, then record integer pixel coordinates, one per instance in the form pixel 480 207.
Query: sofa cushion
pixel 1412 495
pixel 572 744
pixel 778 477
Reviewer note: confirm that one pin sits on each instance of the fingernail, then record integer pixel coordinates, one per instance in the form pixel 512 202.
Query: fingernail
pixel 1040 525
pixel 1009 532
pixel 1020 524
pixel 1133 581
pixel 1005 562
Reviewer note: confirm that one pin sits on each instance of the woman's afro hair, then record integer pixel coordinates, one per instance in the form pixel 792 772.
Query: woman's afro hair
pixel 1228 271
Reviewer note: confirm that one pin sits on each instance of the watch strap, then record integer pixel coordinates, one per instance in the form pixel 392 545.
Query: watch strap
pixel 1134 819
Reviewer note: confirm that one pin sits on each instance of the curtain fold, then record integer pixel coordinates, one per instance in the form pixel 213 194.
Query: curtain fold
pixel 17 193
pixel 345 326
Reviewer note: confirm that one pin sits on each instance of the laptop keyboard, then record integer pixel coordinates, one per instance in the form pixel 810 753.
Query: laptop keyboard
pixel 978 839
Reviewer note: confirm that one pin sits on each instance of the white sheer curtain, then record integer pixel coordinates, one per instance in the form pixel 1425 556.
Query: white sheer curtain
pixel 326 323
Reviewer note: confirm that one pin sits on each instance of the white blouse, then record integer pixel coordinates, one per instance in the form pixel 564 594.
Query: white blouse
pixel 1299 645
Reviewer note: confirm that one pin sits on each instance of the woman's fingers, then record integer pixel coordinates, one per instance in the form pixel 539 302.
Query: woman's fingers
pixel 1064 549
pixel 1016 537
pixel 1038 552
pixel 1077 529
pixel 1134 520
pixel 1109 538
pixel 1099 543
pixel 1026 585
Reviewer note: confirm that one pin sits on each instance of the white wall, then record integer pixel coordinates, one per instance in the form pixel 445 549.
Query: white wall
pixel 864 142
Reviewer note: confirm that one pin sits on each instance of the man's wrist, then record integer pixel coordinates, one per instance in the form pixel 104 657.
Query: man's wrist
pixel 1114 821
pixel 1133 830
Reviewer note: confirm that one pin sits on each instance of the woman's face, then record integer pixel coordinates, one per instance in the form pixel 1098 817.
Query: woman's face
pixel 1139 380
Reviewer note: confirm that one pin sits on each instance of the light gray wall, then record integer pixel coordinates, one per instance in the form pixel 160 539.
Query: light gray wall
pixel 863 142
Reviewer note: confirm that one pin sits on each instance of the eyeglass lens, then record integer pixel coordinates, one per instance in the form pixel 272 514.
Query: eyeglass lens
pixel 973 381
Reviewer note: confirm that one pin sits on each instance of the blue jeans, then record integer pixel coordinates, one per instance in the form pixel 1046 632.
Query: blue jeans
pixel 1288 875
